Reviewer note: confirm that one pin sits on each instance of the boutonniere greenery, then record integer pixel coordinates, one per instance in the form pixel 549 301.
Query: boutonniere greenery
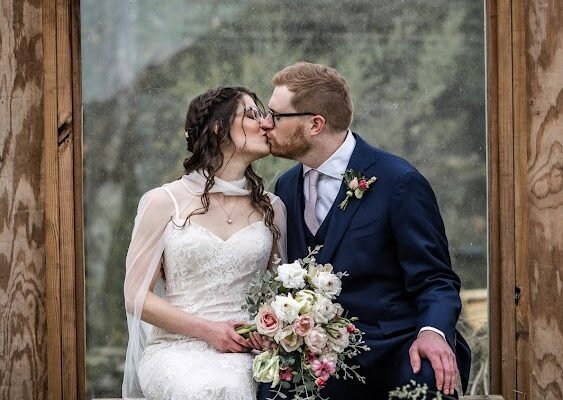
pixel 356 185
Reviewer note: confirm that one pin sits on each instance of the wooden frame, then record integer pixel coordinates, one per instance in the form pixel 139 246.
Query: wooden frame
pixel 63 199
pixel 507 121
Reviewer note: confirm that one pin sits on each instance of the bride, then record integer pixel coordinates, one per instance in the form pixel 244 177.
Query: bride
pixel 206 234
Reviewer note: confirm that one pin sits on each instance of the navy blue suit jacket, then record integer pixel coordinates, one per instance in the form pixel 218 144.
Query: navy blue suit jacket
pixel 393 244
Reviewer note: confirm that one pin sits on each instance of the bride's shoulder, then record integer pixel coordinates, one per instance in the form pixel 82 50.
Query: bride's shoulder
pixel 162 195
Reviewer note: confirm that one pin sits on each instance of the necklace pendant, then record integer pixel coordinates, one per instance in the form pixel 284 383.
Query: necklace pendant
pixel 229 221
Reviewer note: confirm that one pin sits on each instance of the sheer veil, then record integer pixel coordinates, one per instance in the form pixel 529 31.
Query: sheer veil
pixel 157 209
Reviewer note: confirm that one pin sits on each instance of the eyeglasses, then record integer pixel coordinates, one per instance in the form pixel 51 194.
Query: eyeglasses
pixel 276 115
pixel 252 113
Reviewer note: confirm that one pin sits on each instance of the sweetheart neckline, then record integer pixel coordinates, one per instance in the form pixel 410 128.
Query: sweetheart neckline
pixel 214 235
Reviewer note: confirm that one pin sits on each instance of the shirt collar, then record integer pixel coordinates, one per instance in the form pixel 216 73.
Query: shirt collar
pixel 336 164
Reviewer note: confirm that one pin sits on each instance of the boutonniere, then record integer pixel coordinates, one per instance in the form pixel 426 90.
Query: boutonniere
pixel 356 185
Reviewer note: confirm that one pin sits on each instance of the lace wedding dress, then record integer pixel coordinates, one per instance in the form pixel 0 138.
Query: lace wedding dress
pixel 207 274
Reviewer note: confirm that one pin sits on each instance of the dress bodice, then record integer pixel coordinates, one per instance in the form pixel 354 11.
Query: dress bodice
pixel 208 276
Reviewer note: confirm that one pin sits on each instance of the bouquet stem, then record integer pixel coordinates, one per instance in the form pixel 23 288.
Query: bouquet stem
pixel 245 330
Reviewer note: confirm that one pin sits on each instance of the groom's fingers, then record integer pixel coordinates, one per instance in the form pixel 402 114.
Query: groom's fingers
pixel 451 373
pixel 439 370
pixel 415 358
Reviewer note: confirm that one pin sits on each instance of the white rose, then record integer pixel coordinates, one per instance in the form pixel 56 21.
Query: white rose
pixel 316 340
pixel 339 309
pixel 288 339
pixel 338 340
pixel 328 283
pixel 307 299
pixel 266 368
pixel 323 311
pixel 292 276
pixel 286 308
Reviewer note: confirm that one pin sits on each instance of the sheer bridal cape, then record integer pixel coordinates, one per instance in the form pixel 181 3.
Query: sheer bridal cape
pixel 187 251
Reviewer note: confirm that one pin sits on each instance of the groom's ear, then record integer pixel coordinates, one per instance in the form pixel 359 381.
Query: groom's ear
pixel 317 124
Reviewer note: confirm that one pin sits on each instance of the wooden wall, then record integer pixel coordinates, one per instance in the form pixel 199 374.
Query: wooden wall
pixel 23 351
pixel 541 328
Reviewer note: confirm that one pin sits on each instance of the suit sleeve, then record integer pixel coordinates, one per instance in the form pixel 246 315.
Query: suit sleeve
pixel 422 250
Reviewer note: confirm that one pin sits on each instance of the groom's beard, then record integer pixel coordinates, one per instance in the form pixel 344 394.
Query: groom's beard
pixel 294 146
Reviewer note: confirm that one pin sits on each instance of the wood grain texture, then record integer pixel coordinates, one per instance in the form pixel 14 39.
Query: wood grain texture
pixel 495 276
pixel 65 161
pixel 545 198
pixel 50 173
pixel 519 68
pixel 80 273
pixel 501 197
pixel 23 354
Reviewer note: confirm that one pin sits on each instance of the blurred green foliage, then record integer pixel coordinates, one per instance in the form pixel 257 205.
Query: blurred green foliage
pixel 416 72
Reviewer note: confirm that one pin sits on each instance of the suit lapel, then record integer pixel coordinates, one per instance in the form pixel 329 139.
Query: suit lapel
pixel 362 158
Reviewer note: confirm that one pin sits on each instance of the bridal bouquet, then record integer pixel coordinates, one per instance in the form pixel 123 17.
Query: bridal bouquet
pixel 308 337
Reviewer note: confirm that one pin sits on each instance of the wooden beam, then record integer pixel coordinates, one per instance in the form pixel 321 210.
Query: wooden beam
pixel 65 159
pixel 520 107
pixel 542 267
pixel 51 183
pixel 501 197
pixel 80 272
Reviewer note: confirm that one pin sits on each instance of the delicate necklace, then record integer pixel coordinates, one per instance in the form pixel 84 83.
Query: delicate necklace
pixel 228 214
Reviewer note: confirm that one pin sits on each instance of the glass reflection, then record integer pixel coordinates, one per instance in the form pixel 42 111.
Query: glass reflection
pixel 416 71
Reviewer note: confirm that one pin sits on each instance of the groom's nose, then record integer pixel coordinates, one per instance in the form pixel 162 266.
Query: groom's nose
pixel 267 123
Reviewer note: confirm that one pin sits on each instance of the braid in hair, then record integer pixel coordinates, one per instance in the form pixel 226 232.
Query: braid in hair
pixel 208 121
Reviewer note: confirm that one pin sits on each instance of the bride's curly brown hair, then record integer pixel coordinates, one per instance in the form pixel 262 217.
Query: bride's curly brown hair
pixel 208 122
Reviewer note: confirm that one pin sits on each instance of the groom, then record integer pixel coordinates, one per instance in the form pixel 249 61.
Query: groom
pixel 391 241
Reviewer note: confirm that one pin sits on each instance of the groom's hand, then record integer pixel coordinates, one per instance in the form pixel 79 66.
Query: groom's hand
pixel 432 346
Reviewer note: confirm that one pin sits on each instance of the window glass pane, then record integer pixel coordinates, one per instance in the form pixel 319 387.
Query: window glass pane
pixel 416 71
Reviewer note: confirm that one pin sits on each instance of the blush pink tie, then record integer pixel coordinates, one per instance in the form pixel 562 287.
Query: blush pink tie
pixel 310 215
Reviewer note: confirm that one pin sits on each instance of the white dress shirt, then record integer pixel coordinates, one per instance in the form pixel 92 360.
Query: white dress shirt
pixel 328 186
pixel 330 177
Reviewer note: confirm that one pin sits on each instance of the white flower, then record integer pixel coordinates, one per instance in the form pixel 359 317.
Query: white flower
pixel 339 309
pixel 338 339
pixel 328 283
pixel 286 308
pixel 292 276
pixel 307 299
pixel 288 339
pixel 323 311
pixel 266 368
pixel 316 340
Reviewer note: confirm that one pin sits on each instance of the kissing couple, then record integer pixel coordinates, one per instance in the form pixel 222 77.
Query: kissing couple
pixel 207 234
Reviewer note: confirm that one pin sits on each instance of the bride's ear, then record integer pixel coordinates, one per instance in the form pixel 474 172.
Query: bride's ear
pixel 216 127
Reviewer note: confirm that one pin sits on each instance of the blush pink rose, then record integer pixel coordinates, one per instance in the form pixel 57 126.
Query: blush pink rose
pixel 353 184
pixel 303 325
pixel 267 322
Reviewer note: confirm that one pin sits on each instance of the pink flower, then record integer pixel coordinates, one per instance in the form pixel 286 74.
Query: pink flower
pixel 351 328
pixel 363 185
pixel 353 184
pixel 286 374
pixel 267 322
pixel 320 382
pixel 323 368
pixel 316 340
pixel 303 325
pixel 310 357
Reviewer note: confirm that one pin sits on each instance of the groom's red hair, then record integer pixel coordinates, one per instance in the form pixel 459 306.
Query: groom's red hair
pixel 320 89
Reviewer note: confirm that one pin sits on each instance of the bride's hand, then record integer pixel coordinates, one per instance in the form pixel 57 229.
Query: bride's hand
pixel 222 336
pixel 255 341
